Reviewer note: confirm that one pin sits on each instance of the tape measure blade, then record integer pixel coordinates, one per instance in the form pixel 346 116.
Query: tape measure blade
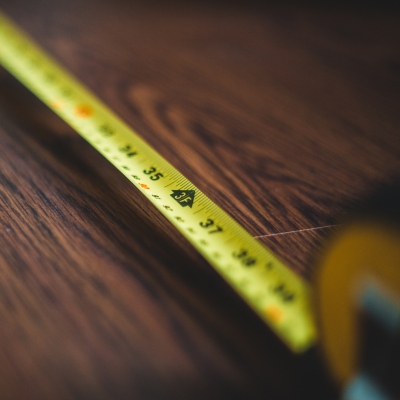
pixel 279 296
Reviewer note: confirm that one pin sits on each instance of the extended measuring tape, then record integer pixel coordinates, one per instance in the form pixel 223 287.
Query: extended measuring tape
pixel 357 286
pixel 275 292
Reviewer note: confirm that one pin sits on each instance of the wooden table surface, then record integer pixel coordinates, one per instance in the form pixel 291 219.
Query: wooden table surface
pixel 281 114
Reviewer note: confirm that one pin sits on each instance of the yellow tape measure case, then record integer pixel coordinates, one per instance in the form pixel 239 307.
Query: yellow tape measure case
pixel 357 298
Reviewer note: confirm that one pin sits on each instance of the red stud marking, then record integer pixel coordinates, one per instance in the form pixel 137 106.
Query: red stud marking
pixel 144 186
pixel 84 111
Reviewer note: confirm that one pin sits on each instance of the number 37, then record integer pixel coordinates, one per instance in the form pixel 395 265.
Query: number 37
pixel 210 223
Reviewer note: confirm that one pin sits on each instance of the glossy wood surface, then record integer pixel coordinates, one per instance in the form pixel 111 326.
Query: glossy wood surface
pixel 281 114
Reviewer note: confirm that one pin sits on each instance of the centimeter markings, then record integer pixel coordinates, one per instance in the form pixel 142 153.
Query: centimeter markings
pixel 275 292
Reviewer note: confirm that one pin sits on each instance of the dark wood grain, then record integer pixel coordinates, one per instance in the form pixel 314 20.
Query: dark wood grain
pixel 280 114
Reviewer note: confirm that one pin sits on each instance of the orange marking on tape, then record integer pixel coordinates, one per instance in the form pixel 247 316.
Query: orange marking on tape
pixel 274 312
pixel 84 111
pixel 144 186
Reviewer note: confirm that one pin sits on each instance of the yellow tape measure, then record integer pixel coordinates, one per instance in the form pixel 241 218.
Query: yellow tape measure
pixel 275 292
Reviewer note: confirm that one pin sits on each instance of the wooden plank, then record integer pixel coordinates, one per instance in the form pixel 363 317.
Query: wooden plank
pixel 280 115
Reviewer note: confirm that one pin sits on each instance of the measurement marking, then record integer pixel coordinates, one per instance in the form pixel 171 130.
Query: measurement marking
pixel 274 312
pixel 201 202
pixel 181 179
pixel 169 184
pixel 199 211
pixel 297 231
